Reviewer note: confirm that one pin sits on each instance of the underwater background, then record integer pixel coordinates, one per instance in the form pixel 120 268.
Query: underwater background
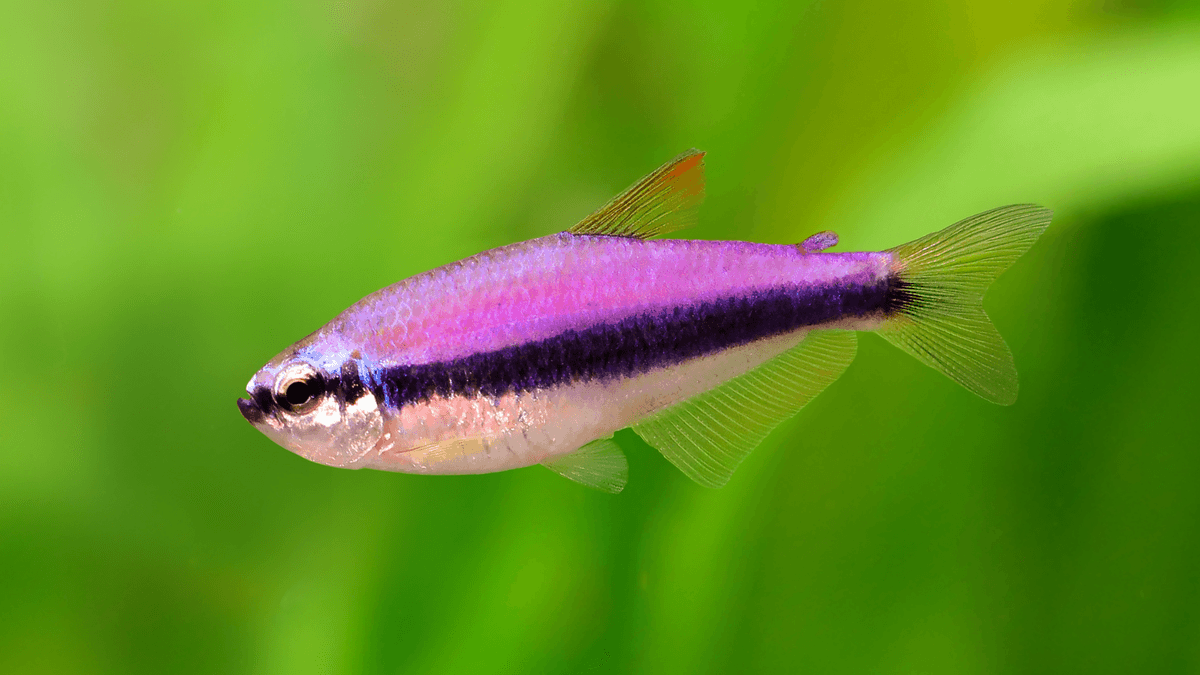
pixel 186 188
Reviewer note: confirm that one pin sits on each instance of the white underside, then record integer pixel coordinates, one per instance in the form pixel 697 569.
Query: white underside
pixel 462 435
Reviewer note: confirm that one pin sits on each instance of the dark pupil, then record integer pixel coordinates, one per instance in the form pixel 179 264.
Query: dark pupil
pixel 299 393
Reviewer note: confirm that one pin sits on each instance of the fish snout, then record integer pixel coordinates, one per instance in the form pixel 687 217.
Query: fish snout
pixel 250 410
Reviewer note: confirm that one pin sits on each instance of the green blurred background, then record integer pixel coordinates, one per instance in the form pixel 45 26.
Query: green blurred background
pixel 188 187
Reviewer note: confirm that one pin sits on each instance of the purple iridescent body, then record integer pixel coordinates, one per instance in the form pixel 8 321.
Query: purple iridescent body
pixel 554 325
pixel 536 352
pixel 542 288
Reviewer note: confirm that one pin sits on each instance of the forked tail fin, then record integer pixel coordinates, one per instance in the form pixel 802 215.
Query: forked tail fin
pixel 936 306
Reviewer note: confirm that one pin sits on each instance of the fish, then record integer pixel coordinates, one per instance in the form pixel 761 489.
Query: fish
pixel 539 351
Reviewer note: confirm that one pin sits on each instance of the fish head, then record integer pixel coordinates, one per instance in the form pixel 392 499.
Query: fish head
pixel 316 406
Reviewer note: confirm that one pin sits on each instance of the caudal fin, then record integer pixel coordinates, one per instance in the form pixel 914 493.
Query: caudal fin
pixel 937 304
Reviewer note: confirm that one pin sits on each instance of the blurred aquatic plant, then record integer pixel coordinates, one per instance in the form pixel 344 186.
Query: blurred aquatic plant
pixel 184 187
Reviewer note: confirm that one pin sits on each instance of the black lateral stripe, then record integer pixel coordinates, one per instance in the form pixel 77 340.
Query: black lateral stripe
pixel 901 297
pixel 633 345
pixel 263 398
pixel 348 383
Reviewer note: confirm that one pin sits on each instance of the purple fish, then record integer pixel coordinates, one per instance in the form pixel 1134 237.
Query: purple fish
pixel 535 353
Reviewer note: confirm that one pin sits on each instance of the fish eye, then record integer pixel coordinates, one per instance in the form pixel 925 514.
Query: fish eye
pixel 298 393
pixel 298 389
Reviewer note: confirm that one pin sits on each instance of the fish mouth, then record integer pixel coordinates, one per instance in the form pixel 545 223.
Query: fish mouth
pixel 250 410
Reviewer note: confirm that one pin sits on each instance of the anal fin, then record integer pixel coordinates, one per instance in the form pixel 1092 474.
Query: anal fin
pixel 600 464
pixel 708 436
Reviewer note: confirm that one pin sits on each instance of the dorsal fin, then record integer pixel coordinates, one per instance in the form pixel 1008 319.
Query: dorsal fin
pixel 664 201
